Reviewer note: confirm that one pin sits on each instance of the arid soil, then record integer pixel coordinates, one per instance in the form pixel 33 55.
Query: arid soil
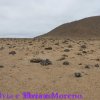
pixel 48 65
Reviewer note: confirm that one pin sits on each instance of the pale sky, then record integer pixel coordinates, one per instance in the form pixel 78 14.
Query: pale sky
pixel 30 18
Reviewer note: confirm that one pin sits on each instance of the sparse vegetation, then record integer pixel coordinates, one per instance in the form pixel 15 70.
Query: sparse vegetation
pixel 66 50
pixel 97 65
pixel 12 52
pixel 85 52
pixel 87 66
pixel 45 62
pixel 66 63
pixel 78 74
pixel 83 46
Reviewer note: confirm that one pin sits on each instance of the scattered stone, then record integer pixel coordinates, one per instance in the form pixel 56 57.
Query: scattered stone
pixel 64 55
pixel 8 44
pixel 62 58
pixel 97 59
pixel 80 63
pixel 12 52
pixel 87 66
pixel 48 48
pixel 35 60
pixel 83 47
pixel 56 43
pixel 1 66
pixel 66 50
pixel 84 52
pixel 70 46
pixel 66 63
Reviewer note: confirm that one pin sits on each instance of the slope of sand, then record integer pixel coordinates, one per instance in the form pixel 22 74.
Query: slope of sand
pixel 18 74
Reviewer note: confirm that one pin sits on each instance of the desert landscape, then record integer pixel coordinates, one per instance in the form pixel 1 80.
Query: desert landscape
pixel 65 60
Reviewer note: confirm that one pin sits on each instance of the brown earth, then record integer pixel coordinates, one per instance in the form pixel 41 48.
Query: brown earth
pixel 21 70
pixel 88 28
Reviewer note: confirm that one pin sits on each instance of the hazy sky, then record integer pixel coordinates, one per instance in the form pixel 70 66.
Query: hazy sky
pixel 29 18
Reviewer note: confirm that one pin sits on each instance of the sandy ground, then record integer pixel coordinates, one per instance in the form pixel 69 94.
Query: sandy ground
pixel 18 74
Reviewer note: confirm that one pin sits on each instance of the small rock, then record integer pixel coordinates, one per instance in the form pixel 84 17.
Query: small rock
pixel 80 63
pixel 56 43
pixel 35 60
pixel 64 55
pixel 1 66
pixel 97 59
pixel 66 63
pixel 48 48
pixel 87 66
pixel 70 46
pixel 12 52
pixel 66 50
pixel 79 54
pixel 84 52
pixel 62 58
pixel 78 74
pixel 83 46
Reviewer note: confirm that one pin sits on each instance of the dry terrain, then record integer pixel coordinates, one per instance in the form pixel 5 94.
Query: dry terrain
pixel 47 65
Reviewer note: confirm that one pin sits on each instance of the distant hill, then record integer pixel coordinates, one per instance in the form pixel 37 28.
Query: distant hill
pixel 88 28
